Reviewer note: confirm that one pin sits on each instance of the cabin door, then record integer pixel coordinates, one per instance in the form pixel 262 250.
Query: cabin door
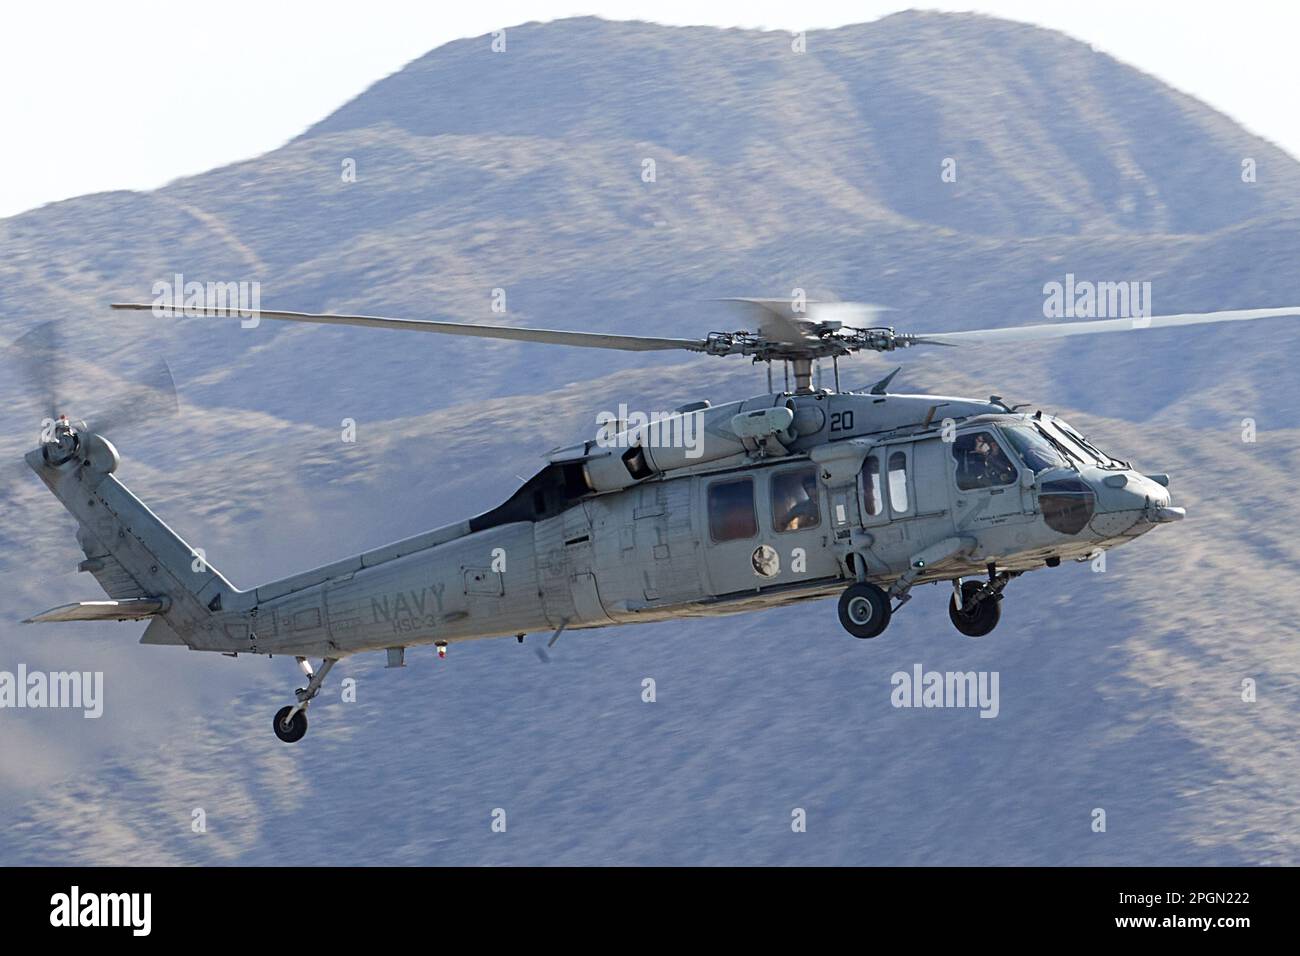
pixel 887 494
pixel 734 543
pixel 985 479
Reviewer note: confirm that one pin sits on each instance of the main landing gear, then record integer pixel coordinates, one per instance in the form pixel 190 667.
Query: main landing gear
pixel 975 607
pixel 291 722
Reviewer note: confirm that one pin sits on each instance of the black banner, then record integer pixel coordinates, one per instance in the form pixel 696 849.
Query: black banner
pixel 334 905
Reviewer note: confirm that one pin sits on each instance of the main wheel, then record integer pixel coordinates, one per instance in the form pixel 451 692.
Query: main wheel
pixel 864 610
pixel 977 620
pixel 292 731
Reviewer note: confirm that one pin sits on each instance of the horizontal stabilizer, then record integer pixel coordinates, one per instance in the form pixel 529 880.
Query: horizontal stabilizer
pixel 134 609
pixel 159 632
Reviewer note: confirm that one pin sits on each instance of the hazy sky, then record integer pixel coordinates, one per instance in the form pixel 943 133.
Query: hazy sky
pixel 132 94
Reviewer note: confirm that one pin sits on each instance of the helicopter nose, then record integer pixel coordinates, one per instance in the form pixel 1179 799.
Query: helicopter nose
pixel 1130 496
pixel 1160 510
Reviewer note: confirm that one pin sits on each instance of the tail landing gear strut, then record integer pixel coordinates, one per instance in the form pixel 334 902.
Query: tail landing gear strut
pixel 291 722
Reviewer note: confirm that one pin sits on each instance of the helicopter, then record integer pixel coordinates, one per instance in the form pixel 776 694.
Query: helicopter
pixel 797 494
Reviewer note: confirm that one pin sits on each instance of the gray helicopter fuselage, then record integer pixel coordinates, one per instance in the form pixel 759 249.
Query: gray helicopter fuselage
pixel 858 487
pixel 710 510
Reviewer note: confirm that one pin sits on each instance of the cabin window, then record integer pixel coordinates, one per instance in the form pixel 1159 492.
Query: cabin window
pixel 898 481
pixel 794 500
pixel 872 493
pixel 981 462
pixel 731 510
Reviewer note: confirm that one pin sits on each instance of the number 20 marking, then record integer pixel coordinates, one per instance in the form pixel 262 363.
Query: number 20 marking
pixel 842 421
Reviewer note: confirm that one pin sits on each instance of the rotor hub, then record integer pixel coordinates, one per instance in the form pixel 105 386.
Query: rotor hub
pixel 63 444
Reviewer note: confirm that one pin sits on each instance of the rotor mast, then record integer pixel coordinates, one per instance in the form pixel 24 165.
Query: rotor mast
pixel 802 375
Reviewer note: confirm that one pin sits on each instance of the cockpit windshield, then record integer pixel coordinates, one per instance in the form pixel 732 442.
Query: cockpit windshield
pixel 1079 445
pixel 1077 452
pixel 1034 449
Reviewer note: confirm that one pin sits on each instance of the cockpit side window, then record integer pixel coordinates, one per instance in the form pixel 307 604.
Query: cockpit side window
pixel 794 499
pixel 981 462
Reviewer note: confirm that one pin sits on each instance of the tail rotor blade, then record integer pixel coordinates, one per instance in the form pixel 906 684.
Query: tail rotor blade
pixel 148 399
pixel 35 356
pixel 48 369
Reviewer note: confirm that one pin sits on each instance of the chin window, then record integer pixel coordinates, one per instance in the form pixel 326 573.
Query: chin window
pixel 1067 505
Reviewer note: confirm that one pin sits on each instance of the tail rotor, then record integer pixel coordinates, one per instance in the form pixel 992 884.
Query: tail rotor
pixel 58 380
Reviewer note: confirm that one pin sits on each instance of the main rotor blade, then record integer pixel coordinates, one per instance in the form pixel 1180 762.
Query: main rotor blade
pixel 590 340
pixel 1060 330
pixel 776 319
pixel 848 313
pixel 800 322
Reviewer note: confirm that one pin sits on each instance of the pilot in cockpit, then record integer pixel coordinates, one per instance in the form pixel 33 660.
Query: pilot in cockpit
pixel 985 464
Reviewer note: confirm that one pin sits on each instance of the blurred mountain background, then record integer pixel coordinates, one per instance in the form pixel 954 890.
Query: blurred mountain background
pixel 774 170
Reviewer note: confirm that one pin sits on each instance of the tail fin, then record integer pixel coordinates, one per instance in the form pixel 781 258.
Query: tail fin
pixel 139 562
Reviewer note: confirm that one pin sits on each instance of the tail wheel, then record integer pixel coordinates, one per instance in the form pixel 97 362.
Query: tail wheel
pixel 864 610
pixel 974 620
pixel 290 731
